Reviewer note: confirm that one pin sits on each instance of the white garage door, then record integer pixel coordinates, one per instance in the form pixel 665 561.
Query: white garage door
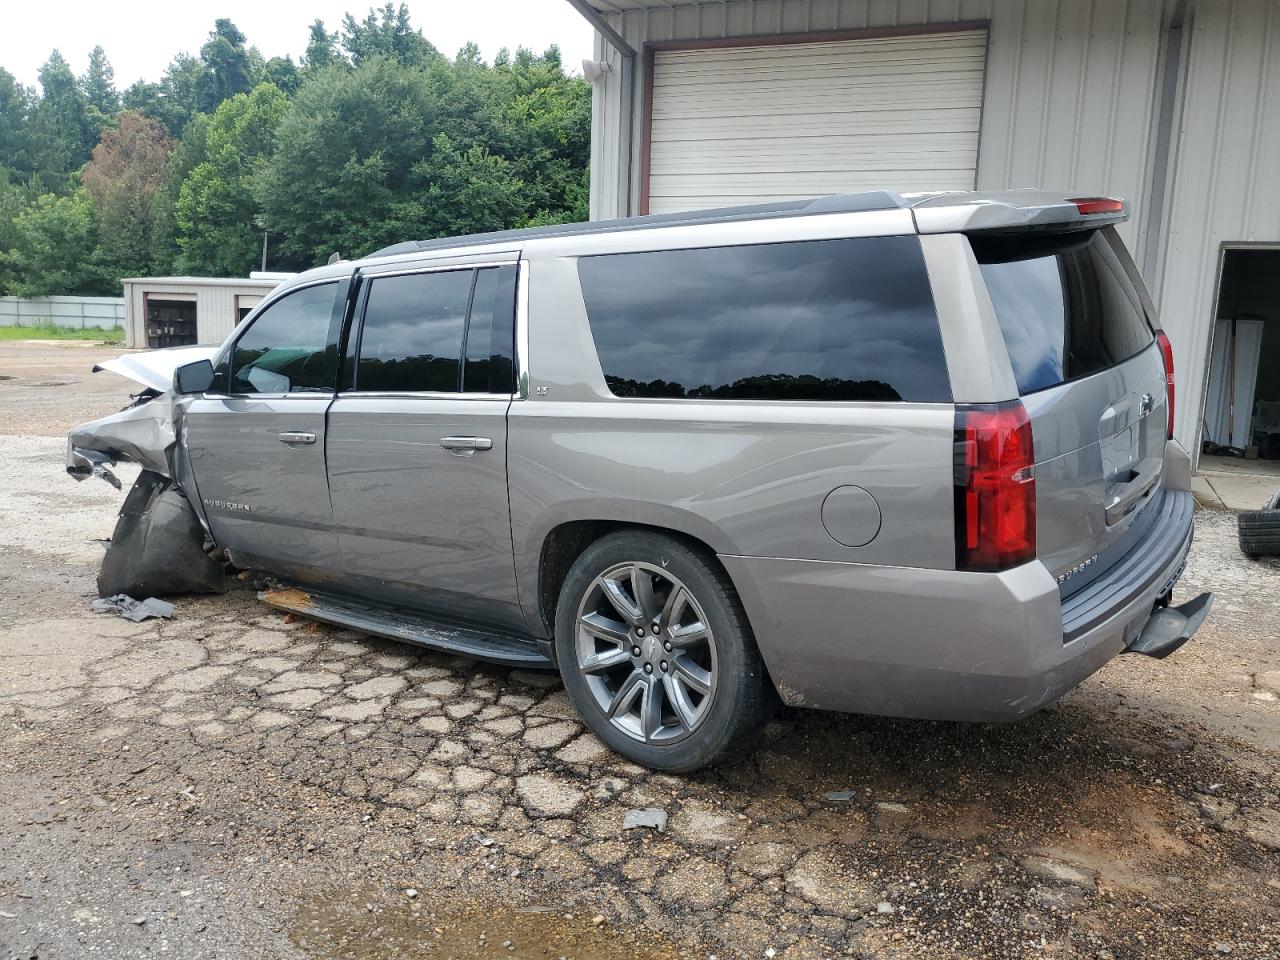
pixel 782 121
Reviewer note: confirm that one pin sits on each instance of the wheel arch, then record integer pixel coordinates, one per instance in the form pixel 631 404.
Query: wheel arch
pixel 554 553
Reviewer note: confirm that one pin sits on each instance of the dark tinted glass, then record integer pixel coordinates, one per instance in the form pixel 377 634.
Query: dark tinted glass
pixel 287 349
pixel 818 320
pixel 491 333
pixel 1065 304
pixel 412 333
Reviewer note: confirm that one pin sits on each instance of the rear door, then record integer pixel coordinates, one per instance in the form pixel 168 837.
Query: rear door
pixel 256 439
pixel 417 441
pixel 1090 373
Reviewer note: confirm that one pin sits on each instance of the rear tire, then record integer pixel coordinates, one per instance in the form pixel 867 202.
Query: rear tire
pixel 1260 533
pixel 697 691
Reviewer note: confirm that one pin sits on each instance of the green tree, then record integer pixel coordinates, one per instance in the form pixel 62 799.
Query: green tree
pixel 175 99
pixel 15 139
pixel 60 129
pixel 281 72
pixel 467 190
pixel 126 172
pixel 347 161
pixel 322 50
pixel 98 83
pixel 386 32
pixel 98 86
pixel 215 211
pixel 189 154
pixel 546 133
pixel 53 249
pixel 228 70
pixel 13 198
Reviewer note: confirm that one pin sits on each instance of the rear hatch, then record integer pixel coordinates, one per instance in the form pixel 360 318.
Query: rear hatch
pixel 1092 379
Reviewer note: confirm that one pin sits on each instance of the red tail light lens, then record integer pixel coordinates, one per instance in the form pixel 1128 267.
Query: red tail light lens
pixel 995 487
pixel 1166 352
pixel 1091 205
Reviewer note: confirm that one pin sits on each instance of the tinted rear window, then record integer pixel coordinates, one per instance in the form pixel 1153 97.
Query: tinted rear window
pixel 1065 304
pixel 816 320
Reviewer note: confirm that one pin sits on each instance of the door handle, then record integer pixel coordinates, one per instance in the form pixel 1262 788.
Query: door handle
pixel 465 446
pixel 293 436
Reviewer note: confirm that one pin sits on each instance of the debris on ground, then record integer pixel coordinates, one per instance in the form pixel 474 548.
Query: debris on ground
pixel 131 609
pixel 652 818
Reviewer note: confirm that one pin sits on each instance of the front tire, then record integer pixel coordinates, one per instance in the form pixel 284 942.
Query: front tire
pixel 657 654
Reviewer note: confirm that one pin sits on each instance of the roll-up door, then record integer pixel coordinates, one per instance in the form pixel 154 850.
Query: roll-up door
pixel 746 124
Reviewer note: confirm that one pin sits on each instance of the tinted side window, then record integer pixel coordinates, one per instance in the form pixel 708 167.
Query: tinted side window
pixel 287 348
pixel 1065 304
pixel 491 333
pixel 411 339
pixel 817 320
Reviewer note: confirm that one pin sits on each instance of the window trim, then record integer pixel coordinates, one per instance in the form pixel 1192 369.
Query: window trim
pixel 243 328
pixel 355 333
pixel 610 396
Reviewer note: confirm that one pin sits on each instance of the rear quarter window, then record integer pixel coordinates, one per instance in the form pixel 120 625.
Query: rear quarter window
pixel 1065 304
pixel 825 320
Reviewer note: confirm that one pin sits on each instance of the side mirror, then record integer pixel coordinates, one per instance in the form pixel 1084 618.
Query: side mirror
pixel 194 377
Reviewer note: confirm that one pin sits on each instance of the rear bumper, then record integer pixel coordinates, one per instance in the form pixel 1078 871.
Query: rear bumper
pixel 945 644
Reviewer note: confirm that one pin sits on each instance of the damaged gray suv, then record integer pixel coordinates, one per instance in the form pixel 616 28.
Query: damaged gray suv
pixel 908 456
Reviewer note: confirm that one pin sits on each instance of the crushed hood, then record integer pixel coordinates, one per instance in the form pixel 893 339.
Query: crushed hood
pixel 154 368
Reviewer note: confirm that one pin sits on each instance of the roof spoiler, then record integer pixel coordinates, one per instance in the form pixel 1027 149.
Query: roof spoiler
pixel 1012 210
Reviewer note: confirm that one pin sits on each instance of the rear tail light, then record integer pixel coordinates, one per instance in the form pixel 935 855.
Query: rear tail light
pixel 1166 353
pixel 995 487
pixel 1088 206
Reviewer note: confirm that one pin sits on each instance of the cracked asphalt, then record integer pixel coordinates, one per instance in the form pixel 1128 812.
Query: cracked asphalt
pixel 235 782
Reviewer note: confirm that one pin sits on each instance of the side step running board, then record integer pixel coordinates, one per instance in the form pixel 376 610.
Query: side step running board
pixel 410 627
pixel 1171 627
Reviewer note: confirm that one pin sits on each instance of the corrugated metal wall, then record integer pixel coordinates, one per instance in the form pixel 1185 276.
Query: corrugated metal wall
pixel 1073 100
pixel 215 305
pixel 1226 174
pixel 1058 74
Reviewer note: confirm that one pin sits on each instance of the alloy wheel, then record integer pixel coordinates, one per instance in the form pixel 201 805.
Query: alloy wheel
pixel 646 652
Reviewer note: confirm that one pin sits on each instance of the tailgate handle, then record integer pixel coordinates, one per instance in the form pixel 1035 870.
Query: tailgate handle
pixel 1124 502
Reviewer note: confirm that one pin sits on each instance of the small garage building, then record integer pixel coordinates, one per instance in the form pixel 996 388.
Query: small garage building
pixel 1172 104
pixel 180 311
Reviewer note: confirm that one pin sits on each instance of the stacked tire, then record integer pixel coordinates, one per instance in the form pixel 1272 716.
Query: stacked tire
pixel 1259 530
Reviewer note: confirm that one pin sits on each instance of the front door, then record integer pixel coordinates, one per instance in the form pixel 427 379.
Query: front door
pixel 417 442
pixel 256 440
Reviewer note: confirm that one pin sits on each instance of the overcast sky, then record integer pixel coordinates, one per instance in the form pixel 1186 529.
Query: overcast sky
pixel 141 36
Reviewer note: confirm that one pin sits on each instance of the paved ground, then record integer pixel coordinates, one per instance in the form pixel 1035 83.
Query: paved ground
pixel 230 784
pixel 1229 483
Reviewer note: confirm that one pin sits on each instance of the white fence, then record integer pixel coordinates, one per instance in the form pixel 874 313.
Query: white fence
pixel 83 313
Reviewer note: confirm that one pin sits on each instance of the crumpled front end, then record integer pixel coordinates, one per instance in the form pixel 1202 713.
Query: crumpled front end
pixel 161 544
pixel 143 434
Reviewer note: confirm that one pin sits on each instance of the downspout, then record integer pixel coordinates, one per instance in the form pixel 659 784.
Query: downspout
pixel 1169 90
pixel 626 77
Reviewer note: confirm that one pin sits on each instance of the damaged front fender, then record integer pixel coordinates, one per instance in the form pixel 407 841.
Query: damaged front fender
pixel 144 433
pixel 161 544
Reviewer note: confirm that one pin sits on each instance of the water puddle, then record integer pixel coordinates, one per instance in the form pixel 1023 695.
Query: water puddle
pixel 349 926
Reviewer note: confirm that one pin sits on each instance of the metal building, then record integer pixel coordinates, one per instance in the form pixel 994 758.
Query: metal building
pixel 1171 104
pixel 179 311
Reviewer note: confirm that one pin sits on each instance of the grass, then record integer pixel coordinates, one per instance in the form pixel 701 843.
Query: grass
pixel 52 332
